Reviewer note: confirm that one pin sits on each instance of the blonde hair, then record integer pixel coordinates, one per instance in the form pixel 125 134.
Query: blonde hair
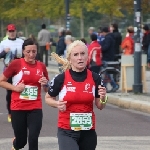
pixel 65 61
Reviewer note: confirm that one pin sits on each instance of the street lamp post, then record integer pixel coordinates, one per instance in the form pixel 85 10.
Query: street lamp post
pixel 67 15
pixel 137 86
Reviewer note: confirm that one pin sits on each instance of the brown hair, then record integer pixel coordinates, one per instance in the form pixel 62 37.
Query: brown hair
pixel 130 29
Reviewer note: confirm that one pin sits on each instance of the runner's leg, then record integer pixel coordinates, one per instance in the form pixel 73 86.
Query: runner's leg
pixel 8 99
pixel 19 124
pixel 68 139
pixel 88 140
pixel 34 120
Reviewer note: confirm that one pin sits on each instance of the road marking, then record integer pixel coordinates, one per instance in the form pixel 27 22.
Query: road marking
pixel 3 113
pixel 104 143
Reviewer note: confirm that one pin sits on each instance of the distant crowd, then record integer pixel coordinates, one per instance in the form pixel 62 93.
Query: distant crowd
pixel 109 39
pixel 106 43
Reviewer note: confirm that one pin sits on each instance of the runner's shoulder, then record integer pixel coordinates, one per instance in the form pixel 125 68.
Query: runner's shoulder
pixel 6 41
pixel 59 79
pixel 41 63
pixel 16 62
pixel 19 40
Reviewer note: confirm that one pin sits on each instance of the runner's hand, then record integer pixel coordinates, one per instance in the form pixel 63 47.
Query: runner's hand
pixel 102 92
pixel 20 87
pixel 7 50
pixel 43 81
pixel 61 105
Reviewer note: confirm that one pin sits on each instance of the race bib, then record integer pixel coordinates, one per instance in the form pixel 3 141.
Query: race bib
pixel 29 93
pixel 80 121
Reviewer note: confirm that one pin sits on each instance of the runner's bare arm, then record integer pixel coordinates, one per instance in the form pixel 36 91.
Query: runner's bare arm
pixel 4 83
pixel 45 73
pixel 51 101
pixel 101 102
pixel 44 82
pixel 98 104
pixel 45 89
pixel 8 86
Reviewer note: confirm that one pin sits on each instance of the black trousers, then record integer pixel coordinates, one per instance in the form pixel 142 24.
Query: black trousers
pixel 77 140
pixel 8 97
pixel 42 52
pixel 22 121
pixel 8 100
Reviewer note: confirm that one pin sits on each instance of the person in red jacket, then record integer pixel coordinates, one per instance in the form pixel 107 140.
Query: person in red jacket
pixel 127 44
pixel 78 89
pixel 94 54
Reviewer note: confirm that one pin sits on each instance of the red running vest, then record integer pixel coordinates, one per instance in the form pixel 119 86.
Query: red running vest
pixel 30 75
pixel 79 97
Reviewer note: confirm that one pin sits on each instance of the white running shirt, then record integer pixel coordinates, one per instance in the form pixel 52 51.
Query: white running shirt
pixel 13 45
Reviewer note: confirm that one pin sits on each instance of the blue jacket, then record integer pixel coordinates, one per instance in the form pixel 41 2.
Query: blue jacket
pixel 108 50
pixel 60 46
pixel 100 38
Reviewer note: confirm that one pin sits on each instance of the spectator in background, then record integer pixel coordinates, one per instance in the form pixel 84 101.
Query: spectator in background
pixel 146 42
pixel 108 45
pixel 84 41
pixel 108 53
pixel 127 44
pixel 117 36
pixel 68 32
pixel 100 37
pixel 94 55
pixel 68 40
pixel 91 30
pixel 60 45
pixel 21 36
pixel 146 38
pixel 44 37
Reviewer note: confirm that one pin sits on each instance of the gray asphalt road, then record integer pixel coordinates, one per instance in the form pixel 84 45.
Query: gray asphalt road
pixel 117 129
pixel 111 121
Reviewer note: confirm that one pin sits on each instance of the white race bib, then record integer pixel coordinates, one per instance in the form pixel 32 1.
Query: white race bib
pixel 81 121
pixel 29 93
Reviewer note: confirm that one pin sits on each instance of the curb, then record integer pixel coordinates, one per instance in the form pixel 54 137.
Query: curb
pixel 129 103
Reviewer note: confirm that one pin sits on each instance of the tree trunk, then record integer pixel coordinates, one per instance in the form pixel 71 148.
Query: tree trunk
pixel 26 27
pixel 81 23
pixel 2 29
pixel 110 18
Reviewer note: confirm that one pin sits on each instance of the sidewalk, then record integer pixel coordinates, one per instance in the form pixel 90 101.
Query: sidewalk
pixel 139 102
